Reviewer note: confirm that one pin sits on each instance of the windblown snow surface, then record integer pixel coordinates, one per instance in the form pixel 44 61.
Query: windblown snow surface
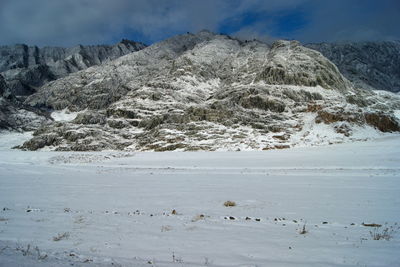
pixel 166 209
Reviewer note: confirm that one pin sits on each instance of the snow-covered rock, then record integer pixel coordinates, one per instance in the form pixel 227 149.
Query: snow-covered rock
pixel 27 68
pixel 17 117
pixel 370 65
pixel 210 92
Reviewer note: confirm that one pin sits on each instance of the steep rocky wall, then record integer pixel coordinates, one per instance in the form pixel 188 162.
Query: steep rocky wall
pixel 27 68
pixel 369 65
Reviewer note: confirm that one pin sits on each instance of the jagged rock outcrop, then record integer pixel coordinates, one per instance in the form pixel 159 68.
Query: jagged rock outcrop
pixel 370 65
pixel 206 92
pixel 27 68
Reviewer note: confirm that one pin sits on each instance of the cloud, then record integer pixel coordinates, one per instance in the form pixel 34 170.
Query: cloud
pixel 342 20
pixel 71 22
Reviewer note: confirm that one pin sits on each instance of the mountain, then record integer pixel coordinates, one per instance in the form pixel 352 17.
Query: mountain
pixel 26 68
pixel 208 92
pixel 371 65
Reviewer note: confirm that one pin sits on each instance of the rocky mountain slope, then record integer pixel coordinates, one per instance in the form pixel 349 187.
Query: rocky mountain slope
pixel 27 68
pixel 16 116
pixel 208 92
pixel 371 65
pixel 24 69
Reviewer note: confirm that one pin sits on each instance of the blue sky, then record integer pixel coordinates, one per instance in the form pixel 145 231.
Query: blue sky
pixel 72 22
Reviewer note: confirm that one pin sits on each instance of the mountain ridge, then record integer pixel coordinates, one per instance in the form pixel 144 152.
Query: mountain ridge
pixel 207 92
pixel 369 65
pixel 26 68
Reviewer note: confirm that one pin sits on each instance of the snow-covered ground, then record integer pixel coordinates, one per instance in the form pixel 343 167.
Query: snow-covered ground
pixel 116 209
pixel 63 115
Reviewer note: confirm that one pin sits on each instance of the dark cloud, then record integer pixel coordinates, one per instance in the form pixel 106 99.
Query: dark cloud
pixel 70 22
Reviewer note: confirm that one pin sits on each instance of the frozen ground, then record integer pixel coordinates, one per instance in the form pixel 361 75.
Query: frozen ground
pixel 116 209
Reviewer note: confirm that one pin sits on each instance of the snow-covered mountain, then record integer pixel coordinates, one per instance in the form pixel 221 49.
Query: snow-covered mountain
pixel 26 68
pixel 209 92
pixel 371 65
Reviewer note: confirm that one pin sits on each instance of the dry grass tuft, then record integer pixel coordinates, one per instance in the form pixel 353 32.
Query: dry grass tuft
pixel 384 234
pixel 303 231
pixel 229 203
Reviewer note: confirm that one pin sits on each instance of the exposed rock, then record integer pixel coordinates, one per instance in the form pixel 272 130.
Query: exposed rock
pixel 332 116
pixel 118 124
pixel 263 103
pixel 73 136
pixel 90 118
pixel 343 128
pixel 41 141
pixel 384 122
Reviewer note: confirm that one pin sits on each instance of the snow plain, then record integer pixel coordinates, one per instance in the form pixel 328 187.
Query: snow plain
pixel 116 209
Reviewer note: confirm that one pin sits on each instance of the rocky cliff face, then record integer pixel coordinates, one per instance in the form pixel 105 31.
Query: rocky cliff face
pixel 26 68
pixel 208 92
pixel 370 65
pixel 17 117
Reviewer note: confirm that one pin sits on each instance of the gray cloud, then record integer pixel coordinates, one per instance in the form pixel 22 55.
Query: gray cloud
pixel 70 22
pixel 343 20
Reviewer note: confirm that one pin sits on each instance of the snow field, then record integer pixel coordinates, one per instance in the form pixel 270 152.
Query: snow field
pixel 116 209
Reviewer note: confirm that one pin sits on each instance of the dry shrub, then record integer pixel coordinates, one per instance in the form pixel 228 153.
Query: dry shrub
pixel 229 203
